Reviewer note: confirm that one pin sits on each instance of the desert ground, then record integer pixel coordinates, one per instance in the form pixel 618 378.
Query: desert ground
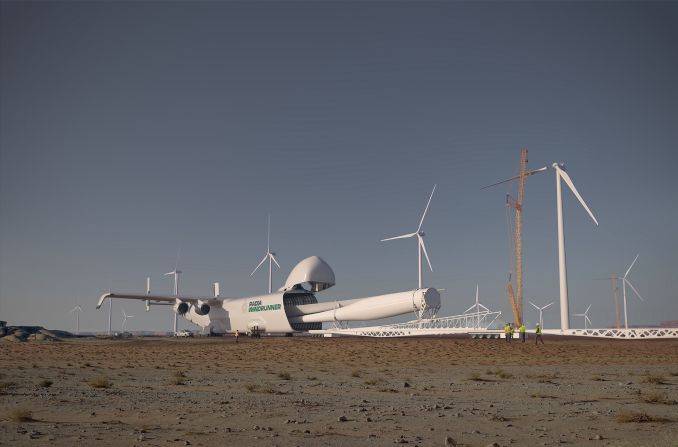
pixel 305 391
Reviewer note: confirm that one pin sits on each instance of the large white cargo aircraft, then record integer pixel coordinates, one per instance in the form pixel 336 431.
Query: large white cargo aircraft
pixel 293 308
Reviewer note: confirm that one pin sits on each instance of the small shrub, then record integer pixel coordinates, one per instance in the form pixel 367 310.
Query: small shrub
pixel 657 398
pixel 100 382
pixel 476 377
pixel 640 418
pixel 45 383
pixel 355 373
pixel 251 387
pixel 376 381
pixel 179 378
pixel 285 375
pixel 654 379
pixel 19 415
pixel 598 378
pixel 4 386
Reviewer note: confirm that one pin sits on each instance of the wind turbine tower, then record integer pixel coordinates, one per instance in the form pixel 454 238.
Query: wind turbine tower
pixel 586 317
pixel 77 309
pixel 421 247
pixel 626 282
pixel 268 256
pixel 562 266
pixel 541 312
pixel 479 308
pixel 176 272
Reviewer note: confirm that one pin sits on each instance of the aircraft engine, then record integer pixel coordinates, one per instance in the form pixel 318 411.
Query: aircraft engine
pixel 180 307
pixel 201 308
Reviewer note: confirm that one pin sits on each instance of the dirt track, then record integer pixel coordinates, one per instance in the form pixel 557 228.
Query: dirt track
pixel 340 391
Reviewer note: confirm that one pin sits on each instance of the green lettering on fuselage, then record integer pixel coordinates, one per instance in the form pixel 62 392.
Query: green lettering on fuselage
pixel 256 306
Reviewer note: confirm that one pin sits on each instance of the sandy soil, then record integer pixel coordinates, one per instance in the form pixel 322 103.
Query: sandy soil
pixel 339 392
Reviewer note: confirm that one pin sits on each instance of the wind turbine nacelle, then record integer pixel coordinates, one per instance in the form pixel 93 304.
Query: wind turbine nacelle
pixel 180 307
pixel 201 308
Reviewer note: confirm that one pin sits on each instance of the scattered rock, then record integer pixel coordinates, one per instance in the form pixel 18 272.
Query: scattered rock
pixel 342 419
pixel 449 442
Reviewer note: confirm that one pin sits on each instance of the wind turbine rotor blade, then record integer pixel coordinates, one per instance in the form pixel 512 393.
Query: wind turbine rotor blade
pixel 274 260
pixel 169 273
pixel 259 265
pixel 485 308
pixel 466 311
pixel 423 247
pixel 631 266
pixel 587 309
pixel 633 288
pixel 499 183
pixel 404 236
pixel 547 305
pixel 421 222
pixel 535 306
pixel 588 319
pixel 565 176
pixel 268 240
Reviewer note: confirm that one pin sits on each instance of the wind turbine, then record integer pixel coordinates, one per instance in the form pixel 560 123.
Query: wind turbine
pixel 562 267
pixel 586 317
pixel 176 272
pixel 270 256
pixel 541 311
pixel 624 283
pixel 77 309
pixel 477 306
pixel 420 237
pixel 124 318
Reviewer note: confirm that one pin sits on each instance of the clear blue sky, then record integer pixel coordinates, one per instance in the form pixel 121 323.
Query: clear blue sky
pixel 130 130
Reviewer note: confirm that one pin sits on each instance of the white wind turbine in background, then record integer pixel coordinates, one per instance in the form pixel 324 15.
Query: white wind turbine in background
pixel 562 267
pixel 479 308
pixel 586 317
pixel 268 256
pixel 420 240
pixel 625 281
pixel 124 318
pixel 77 309
pixel 176 272
pixel 541 312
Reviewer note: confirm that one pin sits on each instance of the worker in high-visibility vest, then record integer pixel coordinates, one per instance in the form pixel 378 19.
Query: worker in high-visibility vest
pixel 523 332
pixel 507 332
pixel 512 330
pixel 537 333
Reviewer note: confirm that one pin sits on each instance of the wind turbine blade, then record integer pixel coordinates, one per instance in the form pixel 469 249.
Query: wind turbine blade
pixel 169 273
pixel 421 222
pixel 176 265
pixel 528 173
pixel 404 236
pixel 631 266
pixel 633 288
pixel 588 319
pixel 499 183
pixel 535 306
pixel 587 309
pixel 423 247
pixel 547 305
pixel 274 260
pixel 259 265
pixel 466 311
pixel 268 240
pixel 486 309
pixel 565 176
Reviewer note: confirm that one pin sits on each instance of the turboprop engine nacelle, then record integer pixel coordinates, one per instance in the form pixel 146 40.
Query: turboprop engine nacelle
pixel 180 307
pixel 201 308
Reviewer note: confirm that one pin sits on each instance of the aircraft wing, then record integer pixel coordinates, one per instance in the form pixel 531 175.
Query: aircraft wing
pixel 154 298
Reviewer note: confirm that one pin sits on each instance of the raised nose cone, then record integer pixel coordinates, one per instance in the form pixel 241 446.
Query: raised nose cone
pixel 312 270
